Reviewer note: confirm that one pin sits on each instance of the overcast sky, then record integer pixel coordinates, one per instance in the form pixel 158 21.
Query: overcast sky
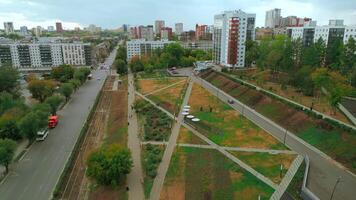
pixel 114 13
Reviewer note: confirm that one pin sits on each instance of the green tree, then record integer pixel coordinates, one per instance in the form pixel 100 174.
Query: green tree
pixel 121 66
pixel 7 151
pixel 41 89
pixel 34 121
pixel 8 101
pixel 75 82
pixel 54 102
pixel 333 54
pixel 9 129
pixel 121 53
pixel 67 90
pixel 62 73
pixel 348 56
pixel 108 165
pixel 9 80
pixel 251 52
pixel 136 64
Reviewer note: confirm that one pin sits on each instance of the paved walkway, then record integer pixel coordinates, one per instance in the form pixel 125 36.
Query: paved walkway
pixel 204 146
pixel 135 178
pixel 155 105
pixel 163 167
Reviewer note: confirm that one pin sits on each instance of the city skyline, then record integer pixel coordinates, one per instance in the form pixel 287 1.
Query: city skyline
pixel 77 14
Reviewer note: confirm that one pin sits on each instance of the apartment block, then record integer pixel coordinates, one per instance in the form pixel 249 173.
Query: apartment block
pixel 166 33
pixel 33 56
pixel 141 47
pixel 231 30
pixel 178 28
pixel 273 18
pixel 8 27
pixel 204 45
pixel 159 24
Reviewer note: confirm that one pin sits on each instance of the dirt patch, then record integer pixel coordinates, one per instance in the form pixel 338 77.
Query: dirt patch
pixel 187 137
pixel 149 85
pixel 173 191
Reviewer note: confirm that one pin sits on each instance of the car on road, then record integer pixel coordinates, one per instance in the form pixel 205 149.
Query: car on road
pixel 98 79
pixel 230 101
pixel 41 135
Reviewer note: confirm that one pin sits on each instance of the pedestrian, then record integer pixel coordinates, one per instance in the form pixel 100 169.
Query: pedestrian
pixel 127 188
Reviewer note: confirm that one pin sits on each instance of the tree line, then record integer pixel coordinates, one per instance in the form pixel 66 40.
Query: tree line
pixel 19 120
pixel 310 68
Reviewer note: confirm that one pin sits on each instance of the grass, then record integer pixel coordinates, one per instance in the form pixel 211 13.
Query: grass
pixel 295 186
pixel 146 86
pixel 187 137
pixel 225 126
pixel 154 74
pixel 267 164
pixel 334 141
pixel 205 174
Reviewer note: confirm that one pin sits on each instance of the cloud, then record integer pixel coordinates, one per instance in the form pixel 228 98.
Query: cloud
pixel 113 13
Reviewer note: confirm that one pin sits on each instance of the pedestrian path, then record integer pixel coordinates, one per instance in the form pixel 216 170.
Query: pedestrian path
pixel 160 89
pixel 135 177
pixel 163 167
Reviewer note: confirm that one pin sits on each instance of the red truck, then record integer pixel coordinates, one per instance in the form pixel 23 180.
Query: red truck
pixel 52 121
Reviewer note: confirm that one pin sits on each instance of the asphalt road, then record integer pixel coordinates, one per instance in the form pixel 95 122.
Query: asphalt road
pixel 323 172
pixel 35 176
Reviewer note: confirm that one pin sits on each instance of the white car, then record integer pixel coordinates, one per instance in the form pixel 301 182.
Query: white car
pixel 41 135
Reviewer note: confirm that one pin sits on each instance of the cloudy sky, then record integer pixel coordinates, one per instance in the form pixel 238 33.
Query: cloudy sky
pixel 114 13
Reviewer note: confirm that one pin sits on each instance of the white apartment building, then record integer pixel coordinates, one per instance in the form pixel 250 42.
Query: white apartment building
pixel 146 32
pixel 9 27
pixel 273 18
pixel 178 28
pixel 33 56
pixel 204 45
pixel 158 25
pixel 310 33
pixel 141 47
pixel 231 30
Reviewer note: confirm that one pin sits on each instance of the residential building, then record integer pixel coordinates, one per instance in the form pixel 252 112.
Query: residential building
pixel 231 30
pixel 50 28
pixel 263 33
pixel 9 27
pixel 159 24
pixel 201 44
pixel 187 36
pixel 166 33
pixel 293 21
pixel 23 30
pixel 178 28
pixel 310 32
pixel 59 27
pixel 125 28
pixel 200 31
pixel 35 56
pixel 93 29
pixel 142 47
pixel 38 31
pixel 146 32
pixel 273 18
pixel 134 33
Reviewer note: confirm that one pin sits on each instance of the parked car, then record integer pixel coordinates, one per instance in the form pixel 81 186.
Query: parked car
pixel 230 101
pixel 41 135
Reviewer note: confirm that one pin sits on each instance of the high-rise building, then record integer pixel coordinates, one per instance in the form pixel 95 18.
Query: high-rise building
pixel 38 31
pixel 273 18
pixel 187 36
pixel 178 28
pixel 125 28
pixel 23 30
pixel 159 24
pixel 59 27
pixel 93 29
pixel 146 32
pixel 231 30
pixel 200 30
pixel 134 33
pixel 50 28
pixel 166 33
pixel 33 56
pixel 8 27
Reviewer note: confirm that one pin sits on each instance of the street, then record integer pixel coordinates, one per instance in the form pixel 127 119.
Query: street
pixel 35 176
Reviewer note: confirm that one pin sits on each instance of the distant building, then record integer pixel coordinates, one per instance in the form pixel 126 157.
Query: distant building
pixel 263 33
pixel 77 29
pixel 142 47
pixel 166 33
pixel 231 31
pixel 59 27
pixel 134 33
pixel 50 28
pixel 23 30
pixel 146 32
pixel 178 28
pixel 201 32
pixel 201 44
pixel 34 56
pixel 9 27
pixel 273 18
pixel 38 31
pixel 93 29
pixel 311 33
pixel 159 24
pixel 187 36
pixel 125 28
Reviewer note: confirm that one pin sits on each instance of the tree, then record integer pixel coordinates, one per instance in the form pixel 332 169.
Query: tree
pixel 136 64
pixel 108 165
pixel 67 90
pixel 121 53
pixel 9 129
pixel 7 151
pixel 41 89
pixel 75 82
pixel 348 56
pixel 62 73
pixel 333 54
pixel 34 121
pixel 251 52
pixel 121 66
pixel 54 102
pixel 9 80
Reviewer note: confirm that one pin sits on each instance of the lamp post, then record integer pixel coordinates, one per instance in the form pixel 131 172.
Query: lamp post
pixel 285 135
pixel 337 182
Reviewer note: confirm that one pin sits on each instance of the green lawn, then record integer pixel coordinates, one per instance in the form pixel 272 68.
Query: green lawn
pixel 206 174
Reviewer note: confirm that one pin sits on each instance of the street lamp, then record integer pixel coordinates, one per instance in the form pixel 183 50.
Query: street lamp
pixel 337 182
pixel 285 135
